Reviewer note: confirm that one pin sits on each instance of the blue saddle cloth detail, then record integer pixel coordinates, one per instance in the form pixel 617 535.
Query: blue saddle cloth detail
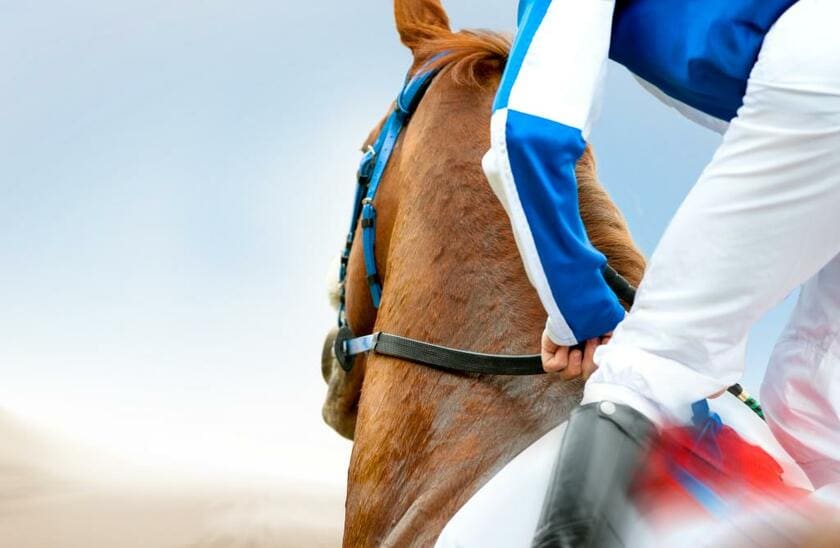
pixel 707 425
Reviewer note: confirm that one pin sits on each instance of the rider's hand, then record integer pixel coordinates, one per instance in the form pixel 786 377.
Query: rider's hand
pixel 569 361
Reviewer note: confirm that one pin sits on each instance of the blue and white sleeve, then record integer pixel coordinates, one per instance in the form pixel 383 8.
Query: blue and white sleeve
pixel 541 118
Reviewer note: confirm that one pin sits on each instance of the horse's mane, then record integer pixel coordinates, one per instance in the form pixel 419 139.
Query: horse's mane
pixel 477 58
pixel 471 56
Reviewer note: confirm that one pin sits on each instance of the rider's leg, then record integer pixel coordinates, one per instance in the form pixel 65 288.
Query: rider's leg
pixel 801 391
pixel 763 218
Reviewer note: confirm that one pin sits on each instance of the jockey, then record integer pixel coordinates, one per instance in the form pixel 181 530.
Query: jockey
pixel 763 219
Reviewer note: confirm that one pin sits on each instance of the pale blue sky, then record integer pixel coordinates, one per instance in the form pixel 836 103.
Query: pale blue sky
pixel 175 179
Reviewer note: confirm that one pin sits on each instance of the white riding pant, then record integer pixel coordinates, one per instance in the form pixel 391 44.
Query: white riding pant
pixel 763 219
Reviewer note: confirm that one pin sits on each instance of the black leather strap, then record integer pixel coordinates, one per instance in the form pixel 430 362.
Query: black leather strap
pixel 463 361
pixel 622 288
pixel 458 361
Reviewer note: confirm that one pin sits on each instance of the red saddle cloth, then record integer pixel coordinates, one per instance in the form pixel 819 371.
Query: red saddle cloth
pixel 693 473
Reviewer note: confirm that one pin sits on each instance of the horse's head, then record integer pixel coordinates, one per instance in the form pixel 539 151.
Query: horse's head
pixel 472 60
pixel 444 243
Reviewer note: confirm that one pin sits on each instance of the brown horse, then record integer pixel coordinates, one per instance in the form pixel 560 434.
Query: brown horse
pixel 426 440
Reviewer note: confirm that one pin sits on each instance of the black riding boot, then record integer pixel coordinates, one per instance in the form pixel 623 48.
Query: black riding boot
pixel 602 449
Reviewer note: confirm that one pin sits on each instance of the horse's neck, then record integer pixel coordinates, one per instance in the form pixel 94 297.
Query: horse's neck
pixel 426 440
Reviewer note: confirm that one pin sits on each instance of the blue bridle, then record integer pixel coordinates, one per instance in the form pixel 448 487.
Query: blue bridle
pixel 371 168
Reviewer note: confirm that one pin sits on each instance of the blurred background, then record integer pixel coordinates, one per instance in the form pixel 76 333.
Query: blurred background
pixel 175 182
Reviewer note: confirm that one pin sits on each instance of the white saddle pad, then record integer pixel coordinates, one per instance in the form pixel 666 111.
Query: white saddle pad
pixel 505 511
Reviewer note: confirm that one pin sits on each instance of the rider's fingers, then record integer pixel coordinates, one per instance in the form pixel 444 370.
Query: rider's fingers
pixel 558 361
pixel 547 345
pixel 589 366
pixel 573 369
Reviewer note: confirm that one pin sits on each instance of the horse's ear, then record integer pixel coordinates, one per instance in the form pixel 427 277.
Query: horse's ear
pixel 419 21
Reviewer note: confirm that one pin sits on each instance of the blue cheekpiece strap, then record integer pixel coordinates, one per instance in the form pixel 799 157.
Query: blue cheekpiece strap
pixel 368 241
pixel 371 169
